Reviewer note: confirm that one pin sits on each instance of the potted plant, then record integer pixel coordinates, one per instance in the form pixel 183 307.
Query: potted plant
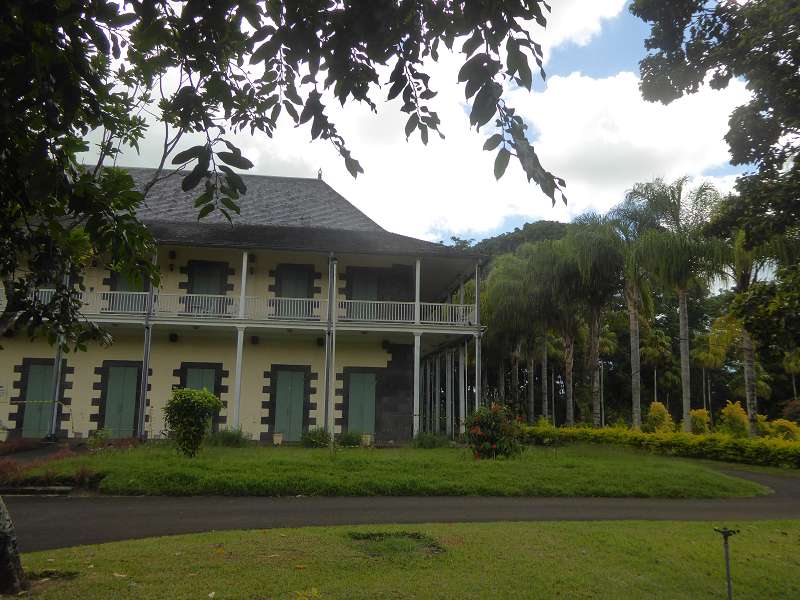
pixel 277 439
pixel 367 439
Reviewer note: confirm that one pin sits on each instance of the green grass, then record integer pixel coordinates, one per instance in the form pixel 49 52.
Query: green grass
pixel 611 560
pixel 580 470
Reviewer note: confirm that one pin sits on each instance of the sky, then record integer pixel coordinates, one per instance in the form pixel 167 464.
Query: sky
pixel 588 122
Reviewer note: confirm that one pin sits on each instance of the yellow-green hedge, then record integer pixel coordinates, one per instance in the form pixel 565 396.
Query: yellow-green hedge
pixel 716 446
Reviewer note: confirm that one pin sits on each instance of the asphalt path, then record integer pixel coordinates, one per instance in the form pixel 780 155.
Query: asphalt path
pixel 46 522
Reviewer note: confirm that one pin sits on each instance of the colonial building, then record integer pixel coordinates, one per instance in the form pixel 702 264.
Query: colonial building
pixel 302 313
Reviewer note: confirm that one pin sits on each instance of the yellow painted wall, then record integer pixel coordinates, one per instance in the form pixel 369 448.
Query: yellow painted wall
pixel 203 345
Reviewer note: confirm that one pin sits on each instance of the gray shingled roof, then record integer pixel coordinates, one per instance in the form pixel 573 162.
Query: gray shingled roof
pixel 277 213
pixel 309 239
pixel 274 201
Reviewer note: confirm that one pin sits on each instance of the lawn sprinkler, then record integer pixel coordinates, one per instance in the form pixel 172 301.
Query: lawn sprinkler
pixel 726 533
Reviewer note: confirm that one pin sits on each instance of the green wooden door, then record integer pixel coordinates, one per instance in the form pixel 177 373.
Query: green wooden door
pixel 289 396
pixel 38 401
pixel 294 281
pixel 201 378
pixel 361 403
pixel 121 393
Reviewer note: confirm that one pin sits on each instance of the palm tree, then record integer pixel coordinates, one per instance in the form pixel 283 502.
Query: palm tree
pixel 631 219
pixel 593 243
pixel 506 308
pixel 678 253
pixel 541 305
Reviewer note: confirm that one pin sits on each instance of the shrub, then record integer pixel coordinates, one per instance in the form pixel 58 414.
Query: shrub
pixel 792 411
pixel 733 420
pixel 785 429
pixel 188 415
pixel 763 426
pixel 715 446
pixel 349 439
pixel 700 421
pixel 229 438
pixel 316 438
pixel 658 419
pixel 491 432
pixel 98 439
pixel 427 441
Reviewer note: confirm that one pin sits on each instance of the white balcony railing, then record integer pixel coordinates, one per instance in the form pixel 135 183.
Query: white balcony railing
pixel 447 314
pixel 257 308
pixel 375 311
pixel 293 309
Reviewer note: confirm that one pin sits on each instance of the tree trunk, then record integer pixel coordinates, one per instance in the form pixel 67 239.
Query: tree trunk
pixel 501 380
pixel 636 375
pixel 704 387
pixel 748 355
pixel 686 393
pixel 531 387
pixel 569 356
pixel 12 577
pixel 794 387
pixel 655 384
pixel 594 357
pixel 545 395
pixel 515 377
pixel 553 391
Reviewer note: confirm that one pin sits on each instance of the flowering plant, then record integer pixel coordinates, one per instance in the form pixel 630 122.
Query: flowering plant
pixel 493 432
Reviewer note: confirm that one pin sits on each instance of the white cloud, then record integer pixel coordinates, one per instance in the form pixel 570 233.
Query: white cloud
pixel 577 21
pixel 596 133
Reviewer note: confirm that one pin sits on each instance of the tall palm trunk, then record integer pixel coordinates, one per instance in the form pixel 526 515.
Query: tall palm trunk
pixel 594 357
pixel 501 380
pixel 569 355
pixel 748 354
pixel 686 393
pixel 794 387
pixel 545 396
pixel 515 376
pixel 531 386
pixel 631 296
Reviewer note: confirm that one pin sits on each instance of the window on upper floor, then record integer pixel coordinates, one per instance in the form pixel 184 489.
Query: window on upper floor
pixel 207 277
pixel 294 281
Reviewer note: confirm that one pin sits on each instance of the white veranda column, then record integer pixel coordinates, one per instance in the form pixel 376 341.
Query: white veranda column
pixel 462 387
pixel 237 380
pixel 416 421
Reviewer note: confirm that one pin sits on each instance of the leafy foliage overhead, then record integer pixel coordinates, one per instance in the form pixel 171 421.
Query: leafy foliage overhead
pixel 692 41
pixel 213 68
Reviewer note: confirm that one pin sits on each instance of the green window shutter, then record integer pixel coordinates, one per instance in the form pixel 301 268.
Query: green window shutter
pixel 207 278
pixel 289 400
pixel 120 283
pixel 201 378
pixel 121 392
pixel 364 286
pixel 38 401
pixel 293 281
pixel 361 403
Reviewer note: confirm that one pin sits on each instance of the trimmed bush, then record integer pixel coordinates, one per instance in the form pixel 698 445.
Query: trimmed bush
pixel 785 429
pixel 715 446
pixel 349 439
pixel 316 438
pixel 229 438
pixel 188 416
pixel 700 421
pixel 658 419
pixel 492 432
pixel 428 441
pixel 733 420
pixel 791 411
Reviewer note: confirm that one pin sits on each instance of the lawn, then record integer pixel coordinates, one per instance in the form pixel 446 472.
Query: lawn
pixel 579 470
pixel 598 560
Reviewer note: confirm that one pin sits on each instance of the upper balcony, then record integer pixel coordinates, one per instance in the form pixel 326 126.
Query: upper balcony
pixel 109 306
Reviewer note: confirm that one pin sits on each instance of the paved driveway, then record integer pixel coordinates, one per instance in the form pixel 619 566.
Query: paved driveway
pixel 54 522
